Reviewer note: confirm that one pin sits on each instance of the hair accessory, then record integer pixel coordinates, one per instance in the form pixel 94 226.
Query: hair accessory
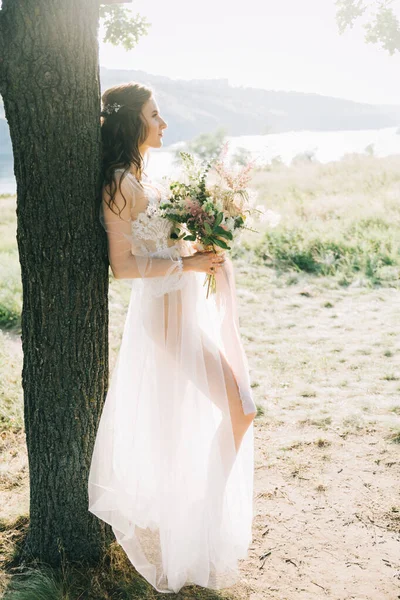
pixel 110 108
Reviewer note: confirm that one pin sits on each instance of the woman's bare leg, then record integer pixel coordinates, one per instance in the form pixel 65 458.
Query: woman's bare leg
pixel 240 421
pixel 214 359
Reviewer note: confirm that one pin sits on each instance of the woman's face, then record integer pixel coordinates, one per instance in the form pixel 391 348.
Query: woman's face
pixel 155 124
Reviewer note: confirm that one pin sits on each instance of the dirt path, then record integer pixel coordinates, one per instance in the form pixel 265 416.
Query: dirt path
pixel 325 367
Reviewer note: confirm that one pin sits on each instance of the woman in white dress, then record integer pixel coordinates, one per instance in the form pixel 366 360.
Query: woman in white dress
pixel 172 466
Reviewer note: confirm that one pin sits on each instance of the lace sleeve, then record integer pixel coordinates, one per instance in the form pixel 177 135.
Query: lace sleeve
pixel 129 204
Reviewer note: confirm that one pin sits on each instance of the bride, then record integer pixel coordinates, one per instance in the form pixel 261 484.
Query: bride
pixel 172 466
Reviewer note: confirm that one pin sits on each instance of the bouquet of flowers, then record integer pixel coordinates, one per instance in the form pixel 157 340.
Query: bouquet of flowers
pixel 211 214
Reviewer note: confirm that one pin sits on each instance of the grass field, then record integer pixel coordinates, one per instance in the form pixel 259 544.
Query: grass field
pixel 319 309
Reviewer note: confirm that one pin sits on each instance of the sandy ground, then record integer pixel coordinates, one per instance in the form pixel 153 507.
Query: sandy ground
pixel 327 474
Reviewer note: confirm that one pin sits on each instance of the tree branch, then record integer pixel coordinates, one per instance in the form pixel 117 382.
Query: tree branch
pixel 382 26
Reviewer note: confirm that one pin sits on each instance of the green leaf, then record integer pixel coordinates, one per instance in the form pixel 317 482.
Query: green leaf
pixel 207 228
pixel 221 243
pixel 192 238
pixel 238 221
pixel 223 232
pixel 218 219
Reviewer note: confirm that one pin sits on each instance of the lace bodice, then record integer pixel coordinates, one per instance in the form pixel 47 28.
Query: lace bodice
pixel 150 231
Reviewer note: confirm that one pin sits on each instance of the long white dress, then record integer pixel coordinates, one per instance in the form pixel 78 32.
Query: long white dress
pixel 165 473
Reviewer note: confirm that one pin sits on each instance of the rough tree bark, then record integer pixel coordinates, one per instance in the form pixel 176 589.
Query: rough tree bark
pixel 49 80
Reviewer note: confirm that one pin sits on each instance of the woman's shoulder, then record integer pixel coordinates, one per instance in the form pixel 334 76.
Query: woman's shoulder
pixel 129 174
pixel 129 186
pixel 130 183
pixel 147 186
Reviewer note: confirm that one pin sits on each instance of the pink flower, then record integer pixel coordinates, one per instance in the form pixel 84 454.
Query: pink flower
pixel 193 206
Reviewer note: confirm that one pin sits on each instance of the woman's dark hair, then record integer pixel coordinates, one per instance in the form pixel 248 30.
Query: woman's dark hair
pixel 122 132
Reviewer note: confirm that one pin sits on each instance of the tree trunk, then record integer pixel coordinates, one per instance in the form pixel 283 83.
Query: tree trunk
pixel 49 80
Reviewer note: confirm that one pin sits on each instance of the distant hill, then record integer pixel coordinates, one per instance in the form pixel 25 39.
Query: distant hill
pixel 202 105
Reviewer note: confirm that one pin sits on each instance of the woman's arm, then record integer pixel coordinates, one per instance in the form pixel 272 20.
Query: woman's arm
pixel 126 265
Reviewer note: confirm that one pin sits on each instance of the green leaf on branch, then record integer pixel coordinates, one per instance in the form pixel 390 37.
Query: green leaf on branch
pixel 382 26
pixel 121 27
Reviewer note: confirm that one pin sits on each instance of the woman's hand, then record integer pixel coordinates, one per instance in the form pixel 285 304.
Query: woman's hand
pixel 204 262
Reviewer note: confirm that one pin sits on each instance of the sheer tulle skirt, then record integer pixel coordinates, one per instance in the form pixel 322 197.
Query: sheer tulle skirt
pixel 165 473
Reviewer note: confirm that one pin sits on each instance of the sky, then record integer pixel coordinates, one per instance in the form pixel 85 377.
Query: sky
pixel 291 45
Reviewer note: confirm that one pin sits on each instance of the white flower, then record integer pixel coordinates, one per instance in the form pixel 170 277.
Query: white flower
pixel 209 207
pixel 267 216
pixel 230 223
